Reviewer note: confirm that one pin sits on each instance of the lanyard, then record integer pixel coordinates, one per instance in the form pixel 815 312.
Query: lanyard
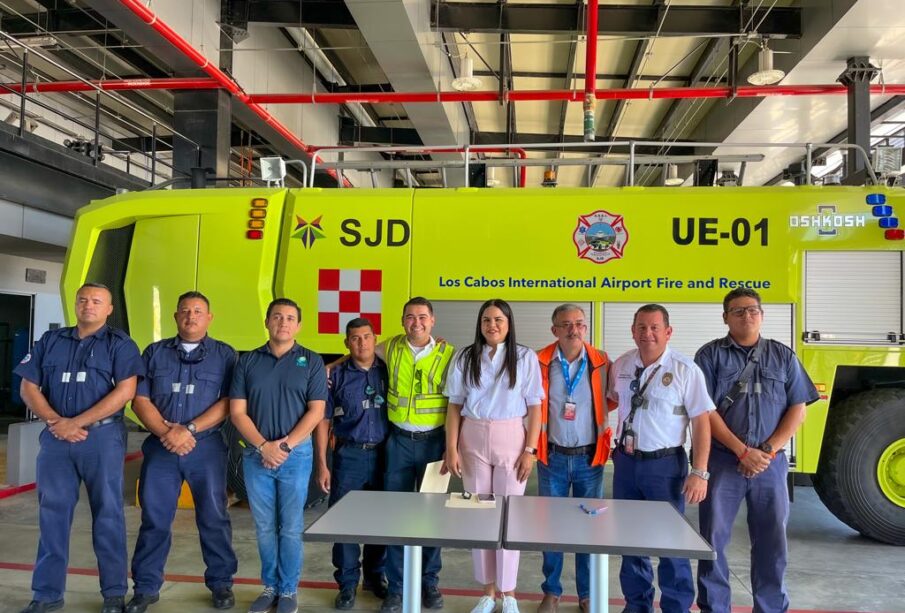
pixel 640 394
pixel 571 384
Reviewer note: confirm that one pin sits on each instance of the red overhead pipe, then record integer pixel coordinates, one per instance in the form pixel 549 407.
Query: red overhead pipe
pixel 590 72
pixel 657 93
pixel 225 81
pixel 109 85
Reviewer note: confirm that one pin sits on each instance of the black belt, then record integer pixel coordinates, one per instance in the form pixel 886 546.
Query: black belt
pixel 365 446
pixel 104 422
pixel 418 436
pixel 583 450
pixel 652 455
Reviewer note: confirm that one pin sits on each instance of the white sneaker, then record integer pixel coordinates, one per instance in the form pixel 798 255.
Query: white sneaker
pixel 510 605
pixel 485 605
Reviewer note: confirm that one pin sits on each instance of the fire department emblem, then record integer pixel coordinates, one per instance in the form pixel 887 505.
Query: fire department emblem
pixel 600 236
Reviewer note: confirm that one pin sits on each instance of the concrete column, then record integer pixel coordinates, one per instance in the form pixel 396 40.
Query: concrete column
pixel 205 117
pixel 858 74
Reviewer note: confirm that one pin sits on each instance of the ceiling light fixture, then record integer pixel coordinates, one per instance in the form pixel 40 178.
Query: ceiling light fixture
pixel 672 176
pixel 466 81
pixel 766 74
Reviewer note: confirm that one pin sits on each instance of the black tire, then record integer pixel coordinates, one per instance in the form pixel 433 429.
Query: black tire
pixel 235 478
pixel 858 431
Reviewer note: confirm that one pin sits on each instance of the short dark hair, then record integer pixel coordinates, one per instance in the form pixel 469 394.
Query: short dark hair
pixel 565 308
pixel 283 302
pixel 193 295
pixel 358 322
pixel 739 292
pixel 419 301
pixel 89 284
pixel 652 308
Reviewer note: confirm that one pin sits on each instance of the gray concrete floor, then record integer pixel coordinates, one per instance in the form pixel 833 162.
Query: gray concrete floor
pixel 832 569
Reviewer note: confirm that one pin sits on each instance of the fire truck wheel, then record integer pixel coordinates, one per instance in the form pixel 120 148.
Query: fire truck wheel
pixel 235 479
pixel 861 474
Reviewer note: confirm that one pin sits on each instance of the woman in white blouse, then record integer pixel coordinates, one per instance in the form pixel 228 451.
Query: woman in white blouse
pixel 492 426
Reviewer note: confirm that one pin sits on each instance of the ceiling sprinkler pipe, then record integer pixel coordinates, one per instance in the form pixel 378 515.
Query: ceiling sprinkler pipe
pixel 46 87
pixel 590 79
pixel 658 93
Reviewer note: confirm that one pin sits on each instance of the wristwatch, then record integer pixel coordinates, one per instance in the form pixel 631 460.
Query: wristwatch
pixel 531 450
pixel 703 474
pixel 284 446
pixel 191 427
pixel 768 448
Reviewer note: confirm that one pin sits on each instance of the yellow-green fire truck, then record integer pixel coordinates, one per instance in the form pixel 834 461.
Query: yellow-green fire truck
pixel 827 261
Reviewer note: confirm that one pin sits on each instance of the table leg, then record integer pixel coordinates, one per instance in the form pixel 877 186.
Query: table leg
pixel 600 583
pixel 411 579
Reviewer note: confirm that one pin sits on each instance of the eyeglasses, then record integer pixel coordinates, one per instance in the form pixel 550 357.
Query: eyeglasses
pixel 742 311
pixel 576 325
pixel 634 386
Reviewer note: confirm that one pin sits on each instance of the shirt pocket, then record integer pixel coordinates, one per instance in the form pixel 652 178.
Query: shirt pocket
pixel 667 399
pixel 773 385
pixel 99 367
pixel 162 380
pixel 210 382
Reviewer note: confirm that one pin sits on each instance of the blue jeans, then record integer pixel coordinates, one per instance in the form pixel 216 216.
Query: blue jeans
pixel 277 498
pixel 162 474
pixel 654 479
pixel 555 479
pixel 62 467
pixel 356 469
pixel 767 499
pixel 406 461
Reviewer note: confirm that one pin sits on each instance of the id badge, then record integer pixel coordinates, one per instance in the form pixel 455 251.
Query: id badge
pixel 628 443
pixel 568 411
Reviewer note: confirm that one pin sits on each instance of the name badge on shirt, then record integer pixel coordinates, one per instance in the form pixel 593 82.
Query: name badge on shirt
pixel 189 388
pixel 81 376
pixel 66 377
pixel 568 411
pixel 176 387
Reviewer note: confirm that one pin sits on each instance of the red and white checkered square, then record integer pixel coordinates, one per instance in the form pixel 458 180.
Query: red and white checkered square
pixel 343 295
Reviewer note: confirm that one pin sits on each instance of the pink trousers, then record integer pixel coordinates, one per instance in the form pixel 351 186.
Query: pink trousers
pixel 489 451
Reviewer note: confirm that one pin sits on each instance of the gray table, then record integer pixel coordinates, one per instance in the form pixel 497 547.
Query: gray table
pixel 413 520
pixel 627 527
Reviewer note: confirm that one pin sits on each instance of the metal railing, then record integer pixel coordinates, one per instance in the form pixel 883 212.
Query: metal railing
pixel 629 162
pixel 120 148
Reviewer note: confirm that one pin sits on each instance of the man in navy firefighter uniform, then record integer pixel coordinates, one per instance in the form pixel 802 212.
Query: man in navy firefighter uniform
pixel 182 401
pixel 356 410
pixel 78 380
pixel 760 390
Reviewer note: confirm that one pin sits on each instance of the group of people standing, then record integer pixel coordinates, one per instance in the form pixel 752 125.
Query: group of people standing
pixel 384 412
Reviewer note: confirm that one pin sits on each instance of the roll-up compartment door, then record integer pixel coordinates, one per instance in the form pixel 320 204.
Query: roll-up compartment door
pixel 456 321
pixel 853 296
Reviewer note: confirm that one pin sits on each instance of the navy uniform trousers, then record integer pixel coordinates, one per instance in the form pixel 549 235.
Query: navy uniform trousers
pixel 407 459
pixel 61 468
pixel 162 474
pixel 654 479
pixel 767 499
pixel 355 468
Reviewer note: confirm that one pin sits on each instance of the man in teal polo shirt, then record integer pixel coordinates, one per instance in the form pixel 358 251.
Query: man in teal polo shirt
pixel 277 398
